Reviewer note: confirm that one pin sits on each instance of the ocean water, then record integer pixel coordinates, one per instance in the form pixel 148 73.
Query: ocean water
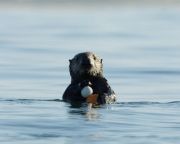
pixel 140 48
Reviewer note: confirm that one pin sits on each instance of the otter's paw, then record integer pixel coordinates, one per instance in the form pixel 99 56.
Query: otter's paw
pixel 85 83
pixel 110 98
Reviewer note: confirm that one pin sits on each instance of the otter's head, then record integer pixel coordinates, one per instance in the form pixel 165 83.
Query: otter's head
pixel 85 65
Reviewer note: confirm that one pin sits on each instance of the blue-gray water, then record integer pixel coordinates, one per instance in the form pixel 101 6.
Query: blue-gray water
pixel 140 48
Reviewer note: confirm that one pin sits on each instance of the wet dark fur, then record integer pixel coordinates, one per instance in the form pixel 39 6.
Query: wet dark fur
pixel 87 69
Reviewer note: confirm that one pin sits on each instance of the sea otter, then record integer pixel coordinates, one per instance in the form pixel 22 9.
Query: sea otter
pixel 86 69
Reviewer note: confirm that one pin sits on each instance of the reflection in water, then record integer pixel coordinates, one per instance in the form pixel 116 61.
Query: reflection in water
pixel 92 114
pixel 52 119
pixel 84 110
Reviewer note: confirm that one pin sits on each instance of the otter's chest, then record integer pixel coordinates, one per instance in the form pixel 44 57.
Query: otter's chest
pixel 99 86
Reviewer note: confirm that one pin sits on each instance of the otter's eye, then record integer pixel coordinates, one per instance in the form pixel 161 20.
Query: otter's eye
pixel 76 58
pixel 94 57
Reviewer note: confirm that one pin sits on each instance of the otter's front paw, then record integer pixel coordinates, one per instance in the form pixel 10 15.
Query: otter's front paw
pixel 85 83
pixel 110 98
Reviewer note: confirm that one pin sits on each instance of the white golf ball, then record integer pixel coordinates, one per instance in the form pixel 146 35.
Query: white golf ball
pixel 86 91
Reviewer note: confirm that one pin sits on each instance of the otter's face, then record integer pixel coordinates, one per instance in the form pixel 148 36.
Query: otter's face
pixel 85 64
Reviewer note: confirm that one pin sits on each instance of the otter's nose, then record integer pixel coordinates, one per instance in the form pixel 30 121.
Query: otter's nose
pixel 86 63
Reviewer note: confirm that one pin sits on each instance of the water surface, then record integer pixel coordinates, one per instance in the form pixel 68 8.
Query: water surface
pixel 140 51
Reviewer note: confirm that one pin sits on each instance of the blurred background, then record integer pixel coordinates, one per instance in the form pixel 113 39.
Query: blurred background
pixel 137 39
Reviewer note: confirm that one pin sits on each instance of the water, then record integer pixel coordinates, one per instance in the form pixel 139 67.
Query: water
pixel 140 50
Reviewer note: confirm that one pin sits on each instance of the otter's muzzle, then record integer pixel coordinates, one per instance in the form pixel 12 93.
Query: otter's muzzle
pixel 86 63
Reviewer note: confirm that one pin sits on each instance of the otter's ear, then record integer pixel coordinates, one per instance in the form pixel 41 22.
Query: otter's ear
pixel 101 60
pixel 70 61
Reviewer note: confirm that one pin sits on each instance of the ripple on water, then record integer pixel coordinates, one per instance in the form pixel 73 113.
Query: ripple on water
pixel 44 119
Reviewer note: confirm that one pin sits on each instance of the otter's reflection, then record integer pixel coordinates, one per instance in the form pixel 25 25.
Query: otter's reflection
pixel 85 111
